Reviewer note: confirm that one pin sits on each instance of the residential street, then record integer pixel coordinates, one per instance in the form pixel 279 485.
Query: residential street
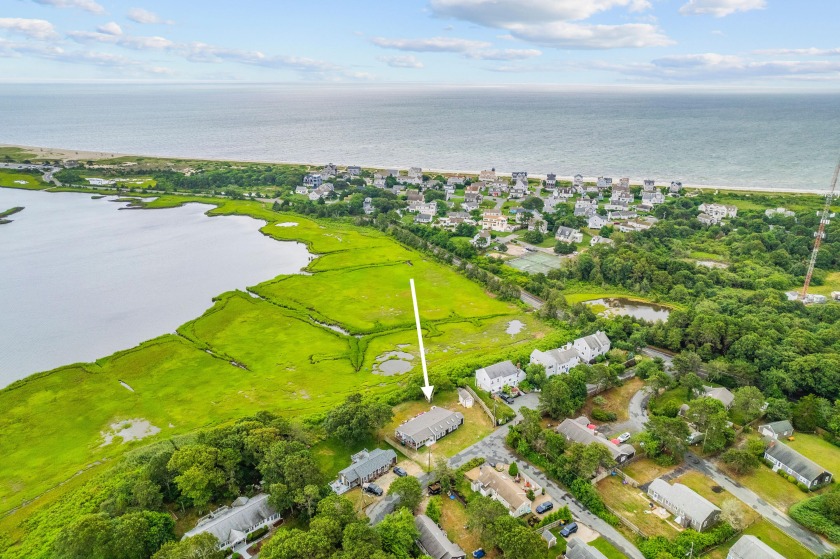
pixel 770 513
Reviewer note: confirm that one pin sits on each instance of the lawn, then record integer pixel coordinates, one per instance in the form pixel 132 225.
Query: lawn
pixel 771 487
pixel 17 179
pixel 817 449
pixel 247 354
pixel 476 425
pixel 645 470
pixel 772 536
pixel 606 548
pixel 830 282
pixel 707 488
pixel 454 520
pixel 617 399
pixel 632 504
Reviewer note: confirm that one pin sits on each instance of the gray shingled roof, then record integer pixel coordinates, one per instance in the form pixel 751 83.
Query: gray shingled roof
pixel 577 431
pixel 562 356
pixel 779 426
pixel 578 549
pixel 684 499
pixel 795 461
pixel 433 540
pixel 503 369
pixel 376 460
pixel 750 547
pixel 236 519
pixel 720 394
pixel 426 425
pixel 597 340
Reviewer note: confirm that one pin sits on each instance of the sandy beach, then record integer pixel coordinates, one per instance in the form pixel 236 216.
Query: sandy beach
pixel 64 154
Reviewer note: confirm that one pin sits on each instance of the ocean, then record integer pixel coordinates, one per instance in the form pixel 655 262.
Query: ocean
pixel 764 141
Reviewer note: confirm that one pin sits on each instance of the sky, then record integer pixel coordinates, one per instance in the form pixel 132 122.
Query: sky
pixel 789 44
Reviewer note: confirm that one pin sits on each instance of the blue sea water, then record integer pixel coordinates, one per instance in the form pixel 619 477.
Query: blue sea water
pixel 761 140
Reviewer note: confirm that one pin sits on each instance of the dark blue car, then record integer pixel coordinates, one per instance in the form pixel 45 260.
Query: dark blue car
pixel 569 529
pixel 545 507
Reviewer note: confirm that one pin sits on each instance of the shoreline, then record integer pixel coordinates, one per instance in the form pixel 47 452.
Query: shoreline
pixel 64 153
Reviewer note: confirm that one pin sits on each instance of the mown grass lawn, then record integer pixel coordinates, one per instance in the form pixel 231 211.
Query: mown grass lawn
pixel 606 548
pixel 477 425
pixel 632 504
pixel 616 399
pixel 27 181
pixel 645 470
pixel 831 282
pixel 817 449
pixel 712 492
pixel 772 488
pixel 51 423
pixel 769 534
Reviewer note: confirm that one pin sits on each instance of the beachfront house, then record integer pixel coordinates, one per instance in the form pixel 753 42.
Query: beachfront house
pixel 519 176
pixel 750 547
pixel 493 220
pixel 806 471
pixel 313 180
pixel 777 429
pixel 329 170
pixel 231 525
pixel 550 180
pixel 365 466
pixel 580 430
pixel 675 188
pixel 497 376
pixel 604 182
pixel 689 509
pixel 593 346
pixel 556 361
pixel 648 185
pixel 428 427
pixel 512 493
pixel 568 235
pixel 415 172
pixel 354 170
pixel 487 176
pixel 434 542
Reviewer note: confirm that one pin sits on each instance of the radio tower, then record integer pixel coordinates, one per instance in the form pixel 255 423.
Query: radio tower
pixel 820 234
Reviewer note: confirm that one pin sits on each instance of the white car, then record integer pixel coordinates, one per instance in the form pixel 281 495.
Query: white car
pixel 624 437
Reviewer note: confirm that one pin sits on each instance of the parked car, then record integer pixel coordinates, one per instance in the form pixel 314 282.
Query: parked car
pixel 545 507
pixel 569 529
pixel 507 399
pixel 478 553
pixel 373 489
pixel 400 472
pixel 624 437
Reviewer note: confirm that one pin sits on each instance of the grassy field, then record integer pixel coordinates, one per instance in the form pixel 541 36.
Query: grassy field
pixel 645 470
pixel 831 282
pixel 772 488
pixel 817 449
pixel 606 548
pixel 633 505
pixel 476 426
pixel 15 179
pixel 247 354
pixel 14 154
pixel 617 399
pixel 772 536
pixel 707 488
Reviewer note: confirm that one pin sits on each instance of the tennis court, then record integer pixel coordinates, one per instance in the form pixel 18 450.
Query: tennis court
pixel 535 262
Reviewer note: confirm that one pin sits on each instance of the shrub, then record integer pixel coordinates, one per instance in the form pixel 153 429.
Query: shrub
pixel 559 514
pixel 599 401
pixel 470 464
pixel 809 514
pixel 804 488
pixel 433 509
pixel 530 495
pixel 603 415
pixel 256 534
pixel 513 470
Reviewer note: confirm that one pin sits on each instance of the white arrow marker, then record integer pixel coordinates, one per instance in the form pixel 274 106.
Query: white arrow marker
pixel 427 389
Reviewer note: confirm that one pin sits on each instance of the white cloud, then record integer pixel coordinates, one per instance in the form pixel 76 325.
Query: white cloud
pixel 139 15
pixel 110 28
pixel 724 68
pixel 125 41
pixel 407 61
pixel 499 13
pixel 798 52
pixel 34 28
pixel 435 44
pixel 114 62
pixel 566 35
pixel 504 54
pixel 558 23
pixel 721 8
pixel 86 5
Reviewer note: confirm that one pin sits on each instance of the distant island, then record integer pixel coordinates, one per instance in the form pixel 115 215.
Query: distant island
pixel 8 213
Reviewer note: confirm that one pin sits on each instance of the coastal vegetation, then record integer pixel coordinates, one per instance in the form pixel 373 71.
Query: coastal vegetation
pixel 8 213
pixel 294 352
